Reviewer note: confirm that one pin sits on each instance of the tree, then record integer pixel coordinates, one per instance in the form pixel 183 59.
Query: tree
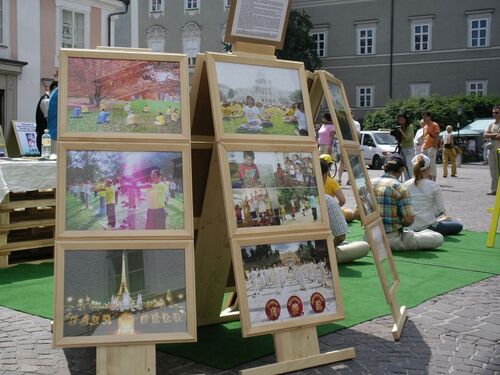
pixel 299 45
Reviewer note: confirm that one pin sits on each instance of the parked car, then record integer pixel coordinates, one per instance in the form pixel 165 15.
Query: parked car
pixel 376 145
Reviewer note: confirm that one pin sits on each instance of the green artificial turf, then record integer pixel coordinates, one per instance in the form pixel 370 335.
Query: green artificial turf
pixel 461 260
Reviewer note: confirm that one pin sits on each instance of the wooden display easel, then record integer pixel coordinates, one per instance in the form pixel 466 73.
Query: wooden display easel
pixel 320 89
pixel 495 213
pixel 296 347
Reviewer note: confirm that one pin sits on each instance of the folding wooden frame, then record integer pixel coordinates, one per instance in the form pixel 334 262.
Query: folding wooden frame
pixel 90 312
pixel 124 168
pixel 272 82
pixel 236 152
pixel 130 89
pixel 241 29
pixel 267 304
pixel 384 261
pixel 336 98
pixel 361 185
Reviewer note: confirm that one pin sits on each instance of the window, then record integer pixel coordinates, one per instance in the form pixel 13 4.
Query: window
pixel 191 40
pixel 156 6
pixel 476 88
pixel 227 3
pixel 368 141
pixel 192 4
pixel 478 26
pixel 320 42
pixel 156 36
pixel 366 39
pixel 73 29
pixel 421 36
pixel 420 89
pixel 365 96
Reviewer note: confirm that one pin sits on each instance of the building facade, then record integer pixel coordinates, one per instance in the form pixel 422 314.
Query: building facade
pixel 380 49
pixel 31 33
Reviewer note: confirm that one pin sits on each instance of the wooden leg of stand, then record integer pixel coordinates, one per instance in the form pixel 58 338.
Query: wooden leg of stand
pixel 299 349
pixel 126 359
pixel 399 315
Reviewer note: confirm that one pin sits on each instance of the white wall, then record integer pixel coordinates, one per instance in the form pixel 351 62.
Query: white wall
pixel 28 49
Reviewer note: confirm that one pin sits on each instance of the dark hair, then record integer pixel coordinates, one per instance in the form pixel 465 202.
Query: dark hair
pixel 426 113
pixel 403 115
pixel 53 85
pixel 324 167
pixel 327 116
pixel 248 153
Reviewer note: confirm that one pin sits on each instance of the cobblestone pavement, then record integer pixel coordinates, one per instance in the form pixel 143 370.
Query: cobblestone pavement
pixel 458 332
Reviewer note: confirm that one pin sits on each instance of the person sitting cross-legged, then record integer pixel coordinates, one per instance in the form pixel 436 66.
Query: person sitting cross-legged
pixel 344 251
pixel 427 201
pixel 394 201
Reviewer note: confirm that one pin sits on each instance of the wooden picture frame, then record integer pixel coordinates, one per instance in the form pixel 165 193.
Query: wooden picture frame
pixel 336 98
pixel 26 138
pixel 382 255
pixel 236 23
pixel 131 173
pixel 121 292
pixel 123 95
pixel 361 185
pixel 271 194
pixel 235 81
pixel 265 310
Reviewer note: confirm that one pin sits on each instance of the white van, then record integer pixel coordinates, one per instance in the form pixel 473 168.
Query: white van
pixel 375 146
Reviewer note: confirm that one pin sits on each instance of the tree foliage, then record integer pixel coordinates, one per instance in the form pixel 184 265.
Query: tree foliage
pixel 442 108
pixel 299 45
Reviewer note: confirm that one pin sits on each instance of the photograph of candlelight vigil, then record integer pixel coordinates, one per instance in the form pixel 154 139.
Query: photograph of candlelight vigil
pixel 284 281
pixel 125 191
pixel 257 99
pixel 273 188
pixel 341 111
pixel 112 95
pixel 124 292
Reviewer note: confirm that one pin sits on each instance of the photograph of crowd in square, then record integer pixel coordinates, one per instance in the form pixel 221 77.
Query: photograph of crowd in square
pixel 108 190
pixel 258 99
pixel 123 96
pixel 288 280
pixel 124 292
pixel 273 188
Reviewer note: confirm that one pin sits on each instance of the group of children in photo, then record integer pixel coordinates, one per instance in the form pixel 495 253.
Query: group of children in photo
pixel 131 196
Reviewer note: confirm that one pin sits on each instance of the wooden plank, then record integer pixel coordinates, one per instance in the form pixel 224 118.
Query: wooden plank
pixel 25 245
pixel 27 224
pixel 126 359
pixel 302 363
pixel 399 323
pixel 13 205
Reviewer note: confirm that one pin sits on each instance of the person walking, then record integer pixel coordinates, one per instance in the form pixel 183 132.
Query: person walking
pixel 449 153
pixel 492 133
pixel 431 141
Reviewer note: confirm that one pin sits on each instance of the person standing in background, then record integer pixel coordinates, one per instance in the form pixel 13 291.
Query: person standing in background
pixel 406 143
pixel 42 109
pixel 492 133
pixel 52 114
pixel 326 133
pixel 431 142
pixel 449 153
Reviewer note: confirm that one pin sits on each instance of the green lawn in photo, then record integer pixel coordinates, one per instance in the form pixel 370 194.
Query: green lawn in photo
pixel 78 217
pixel 279 127
pixel 118 118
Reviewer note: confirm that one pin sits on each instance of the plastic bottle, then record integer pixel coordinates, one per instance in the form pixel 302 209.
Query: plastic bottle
pixel 46 144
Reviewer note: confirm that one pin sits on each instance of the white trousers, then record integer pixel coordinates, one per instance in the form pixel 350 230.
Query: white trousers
pixel 409 240
pixel 351 251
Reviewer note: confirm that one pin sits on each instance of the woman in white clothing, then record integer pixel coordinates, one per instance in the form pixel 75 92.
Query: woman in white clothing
pixel 427 200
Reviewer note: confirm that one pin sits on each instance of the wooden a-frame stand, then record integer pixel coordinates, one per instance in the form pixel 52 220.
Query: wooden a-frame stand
pixel 297 347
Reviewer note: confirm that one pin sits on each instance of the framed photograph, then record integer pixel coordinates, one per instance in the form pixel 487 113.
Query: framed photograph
pixel 3 146
pixel 361 185
pixel 266 190
pixel 123 94
pixel 124 292
pixel 338 106
pixel 259 100
pixel 104 191
pixel 384 261
pixel 286 281
pixel 26 138
pixel 258 22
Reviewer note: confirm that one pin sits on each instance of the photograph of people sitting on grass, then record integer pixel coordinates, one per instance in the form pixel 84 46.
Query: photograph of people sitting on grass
pixel 260 100
pixel 288 280
pixel 273 188
pixel 123 96
pixel 124 190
